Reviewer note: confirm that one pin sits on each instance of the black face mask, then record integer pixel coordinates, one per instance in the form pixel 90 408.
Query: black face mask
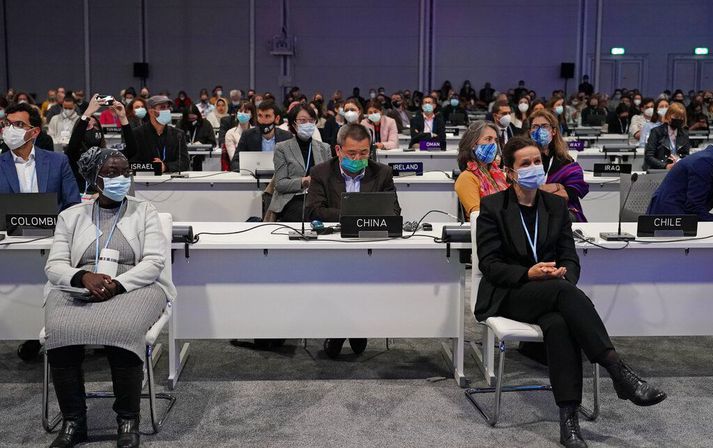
pixel 676 123
pixel 396 104
pixel 92 138
pixel 266 128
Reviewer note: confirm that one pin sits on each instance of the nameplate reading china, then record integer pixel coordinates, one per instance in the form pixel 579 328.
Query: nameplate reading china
pixel 611 169
pixel 576 145
pixel 667 225
pixel 371 226
pixel 407 168
pixel 429 145
pixel 26 224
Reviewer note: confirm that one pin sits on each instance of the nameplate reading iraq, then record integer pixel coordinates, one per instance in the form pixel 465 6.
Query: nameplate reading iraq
pixel 407 168
pixel 667 225
pixel 613 169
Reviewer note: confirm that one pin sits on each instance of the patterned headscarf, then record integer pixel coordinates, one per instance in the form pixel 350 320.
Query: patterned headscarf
pixel 93 159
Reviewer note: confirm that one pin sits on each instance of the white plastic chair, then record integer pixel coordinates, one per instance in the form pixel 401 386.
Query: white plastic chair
pixel 506 331
pixel 153 353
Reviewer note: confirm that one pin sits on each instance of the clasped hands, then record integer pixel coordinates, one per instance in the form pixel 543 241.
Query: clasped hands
pixel 100 286
pixel 546 270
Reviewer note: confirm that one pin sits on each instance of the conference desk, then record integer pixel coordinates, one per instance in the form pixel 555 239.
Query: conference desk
pixel 596 154
pixel 432 160
pixel 211 155
pixel 262 285
pixel 602 202
pixel 451 138
pixel 227 196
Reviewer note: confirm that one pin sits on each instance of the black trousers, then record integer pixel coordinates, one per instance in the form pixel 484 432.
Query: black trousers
pixel 68 378
pixel 570 324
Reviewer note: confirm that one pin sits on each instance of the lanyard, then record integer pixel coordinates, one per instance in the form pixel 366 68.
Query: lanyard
pixel 533 245
pixel 193 139
pixel 164 153
pixel 550 165
pixel 309 157
pixel 111 233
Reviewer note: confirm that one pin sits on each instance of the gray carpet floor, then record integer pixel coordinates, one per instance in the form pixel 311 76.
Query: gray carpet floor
pixel 232 396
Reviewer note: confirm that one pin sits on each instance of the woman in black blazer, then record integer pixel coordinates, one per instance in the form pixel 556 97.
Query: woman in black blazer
pixel 660 152
pixel 530 271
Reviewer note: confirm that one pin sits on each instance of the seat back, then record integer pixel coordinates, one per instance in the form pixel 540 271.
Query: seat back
pixel 641 193
pixel 167 227
pixel 476 275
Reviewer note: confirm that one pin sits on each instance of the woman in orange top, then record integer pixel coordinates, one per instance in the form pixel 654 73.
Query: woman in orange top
pixel 480 176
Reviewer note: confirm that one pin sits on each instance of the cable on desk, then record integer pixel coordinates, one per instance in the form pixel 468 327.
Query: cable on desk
pixel 24 242
pixel 584 240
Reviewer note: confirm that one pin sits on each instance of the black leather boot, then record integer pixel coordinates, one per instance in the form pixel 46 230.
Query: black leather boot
pixel 69 387
pixel 128 433
pixel 629 386
pixel 127 405
pixel 333 347
pixel 358 345
pixel 570 434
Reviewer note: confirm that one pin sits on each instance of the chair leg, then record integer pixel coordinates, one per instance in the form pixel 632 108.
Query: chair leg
pixel 593 414
pixel 47 424
pixel 498 389
pixel 156 423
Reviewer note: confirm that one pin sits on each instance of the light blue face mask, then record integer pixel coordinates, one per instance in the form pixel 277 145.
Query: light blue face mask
pixel 2 113
pixel 116 188
pixel 454 102
pixel 428 108
pixel 243 117
pixel 541 136
pixel 164 117
pixel 532 177
pixel 305 131
pixel 485 153
pixel 140 112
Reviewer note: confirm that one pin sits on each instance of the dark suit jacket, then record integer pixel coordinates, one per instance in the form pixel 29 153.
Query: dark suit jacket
pixel 502 246
pixel 456 116
pixel 324 197
pixel 658 147
pixel 203 134
pixel 251 140
pixel 417 128
pixel 226 123
pixel 148 147
pixel 53 176
pixel 687 188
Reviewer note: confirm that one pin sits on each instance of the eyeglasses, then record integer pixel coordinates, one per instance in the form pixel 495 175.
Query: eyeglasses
pixel 545 126
pixel 304 121
pixel 17 124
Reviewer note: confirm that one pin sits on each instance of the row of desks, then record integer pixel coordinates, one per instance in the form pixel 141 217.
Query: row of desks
pixel 259 284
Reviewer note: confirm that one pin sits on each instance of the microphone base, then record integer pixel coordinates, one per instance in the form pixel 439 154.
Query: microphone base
pixel 308 235
pixel 615 236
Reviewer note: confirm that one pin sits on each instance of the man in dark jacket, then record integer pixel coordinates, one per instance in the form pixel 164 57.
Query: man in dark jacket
pixel 159 142
pixel 264 136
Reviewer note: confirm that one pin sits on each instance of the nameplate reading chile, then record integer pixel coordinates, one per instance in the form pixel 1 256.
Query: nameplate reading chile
pixel 667 225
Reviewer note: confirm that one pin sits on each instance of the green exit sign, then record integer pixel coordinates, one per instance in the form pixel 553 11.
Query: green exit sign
pixel 701 51
pixel 617 51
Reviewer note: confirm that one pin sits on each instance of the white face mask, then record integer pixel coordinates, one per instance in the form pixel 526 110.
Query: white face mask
pixel 523 107
pixel 351 116
pixel 649 112
pixel 67 113
pixel 14 137
pixel 637 102
pixel 505 120
pixel 375 118
pixel 662 111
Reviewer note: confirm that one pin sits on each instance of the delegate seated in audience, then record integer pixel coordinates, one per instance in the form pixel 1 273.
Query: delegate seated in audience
pixel 182 102
pixel 120 309
pixel 519 119
pixel 87 133
pixel 565 177
pixel 245 115
pixel 660 108
pixel 158 142
pixel 25 168
pixel 203 104
pixel 56 108
pixel 398 112
pixel 638 121
pixel 687 189
pixel 594 115
pixel 697 120
pixel 668 143
pixel 350 171
pixel 197 128
pixel 294 159
pixel 60 126
pixel 533 279
pixel 382 128
pixel 556 106
pixel 428 125
pixel 315 135
pixel 42 141
pixel 502 118
pixel 620 121
pixel 264 136
pixel 454 113
pixel 136 112
pixel 333 124
pixel 217 114
pixel 480 175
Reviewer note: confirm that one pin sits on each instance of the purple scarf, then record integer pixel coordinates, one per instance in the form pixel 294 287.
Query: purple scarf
pixel 572 176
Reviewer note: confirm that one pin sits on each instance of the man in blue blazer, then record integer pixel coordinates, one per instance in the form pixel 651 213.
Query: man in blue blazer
pixel 28 169
pixel 687 189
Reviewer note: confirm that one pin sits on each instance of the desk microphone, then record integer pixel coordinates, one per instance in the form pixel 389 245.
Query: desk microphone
pixel 302 235
pixel 178 174
pixel 618 236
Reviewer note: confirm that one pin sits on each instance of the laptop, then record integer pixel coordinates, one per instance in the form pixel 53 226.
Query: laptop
pixel 370 215
pixel 256 161
pixel 41 204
